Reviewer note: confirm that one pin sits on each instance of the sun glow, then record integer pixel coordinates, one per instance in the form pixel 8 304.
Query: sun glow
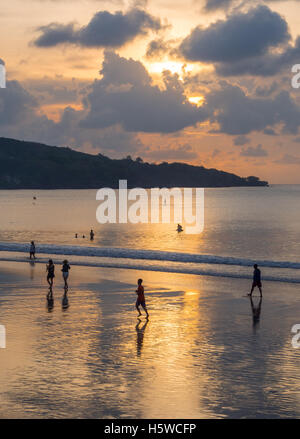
pixel 197 100
pixel 173 66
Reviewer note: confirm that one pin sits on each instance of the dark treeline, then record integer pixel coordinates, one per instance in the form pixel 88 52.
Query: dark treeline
pixel 29 165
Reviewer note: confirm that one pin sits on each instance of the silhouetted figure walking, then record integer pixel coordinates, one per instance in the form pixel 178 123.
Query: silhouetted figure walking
pixel 256 280
pixel 50 268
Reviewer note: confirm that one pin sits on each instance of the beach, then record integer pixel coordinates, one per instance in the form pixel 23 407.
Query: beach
pixel 206 352
pixel 199 356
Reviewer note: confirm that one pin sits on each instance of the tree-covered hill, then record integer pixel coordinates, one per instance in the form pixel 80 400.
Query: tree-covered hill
pixel 29 165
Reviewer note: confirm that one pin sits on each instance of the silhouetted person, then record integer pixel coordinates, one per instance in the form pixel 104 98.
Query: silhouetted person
pixel 65 271
pixel 256 280
pixel 140 336
pixel 76 235
pixel 256 311
pixel 140 301
pixel 179 228
pixel 50 268
pixel 32 250
pixel 92 234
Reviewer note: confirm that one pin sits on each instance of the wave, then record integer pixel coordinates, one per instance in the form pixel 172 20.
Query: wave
pixel 158 268
pixel 150 255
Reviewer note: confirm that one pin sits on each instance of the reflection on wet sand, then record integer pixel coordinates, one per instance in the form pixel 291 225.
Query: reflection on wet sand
pixel 140 332
pixel 256 310
pixel 50 300
pixel 197 356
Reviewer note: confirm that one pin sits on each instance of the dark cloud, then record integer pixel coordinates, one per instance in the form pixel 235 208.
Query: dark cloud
pixel 213 5
pixel 16 104
pixel 257 151
pixel 114 110
pixel 269 132
pixel 237 113
pixel 269 64
pixel 240 36
pixel 243 44
pixel 267 91
pixel 241 140
pixel 132 101
pixel 104 30
pixel 157 48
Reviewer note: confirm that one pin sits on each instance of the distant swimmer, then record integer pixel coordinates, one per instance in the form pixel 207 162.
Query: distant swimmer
pixel 179 228
pixel 140 301
pixel 92 234
pixel 32 250
pixel 50 268
pixel 65 271
pixel 256 280
pixel 34 198
pixel 83 236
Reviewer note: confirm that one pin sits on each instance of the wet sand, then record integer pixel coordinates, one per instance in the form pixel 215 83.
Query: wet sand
pixel 201 355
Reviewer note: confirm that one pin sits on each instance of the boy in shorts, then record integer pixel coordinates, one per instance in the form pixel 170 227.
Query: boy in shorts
pixel 141 299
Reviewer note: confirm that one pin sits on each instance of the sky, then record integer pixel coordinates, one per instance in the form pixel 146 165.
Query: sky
pixel 206 82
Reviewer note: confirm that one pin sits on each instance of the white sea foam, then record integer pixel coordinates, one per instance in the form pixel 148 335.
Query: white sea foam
pixel 183 260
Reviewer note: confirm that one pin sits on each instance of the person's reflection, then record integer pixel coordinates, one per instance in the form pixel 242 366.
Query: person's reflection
pixel 140 331
pixel 50 300
pixel 65 300
pixel 32 265
pixel 256 310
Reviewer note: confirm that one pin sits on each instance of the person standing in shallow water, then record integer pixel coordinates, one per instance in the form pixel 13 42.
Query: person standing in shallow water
pixel 256 280
pixel 140 301
pixel 50 268
pixel 32 250
pixel 92 234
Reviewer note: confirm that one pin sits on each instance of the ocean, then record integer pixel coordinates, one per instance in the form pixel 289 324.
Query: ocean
pixel 207 351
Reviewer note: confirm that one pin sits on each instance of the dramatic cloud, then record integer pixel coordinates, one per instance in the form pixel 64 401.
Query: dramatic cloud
pixel 241 36
pixel 128 98
pixel 246 43
pixel 104 30
pixel 269 64
pixel 238 114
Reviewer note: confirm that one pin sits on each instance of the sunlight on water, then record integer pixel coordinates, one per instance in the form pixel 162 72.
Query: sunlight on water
pixel 205 352
pixel 200 355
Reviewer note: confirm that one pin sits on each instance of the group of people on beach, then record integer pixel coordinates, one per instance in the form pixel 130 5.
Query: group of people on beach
pixel 50 269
